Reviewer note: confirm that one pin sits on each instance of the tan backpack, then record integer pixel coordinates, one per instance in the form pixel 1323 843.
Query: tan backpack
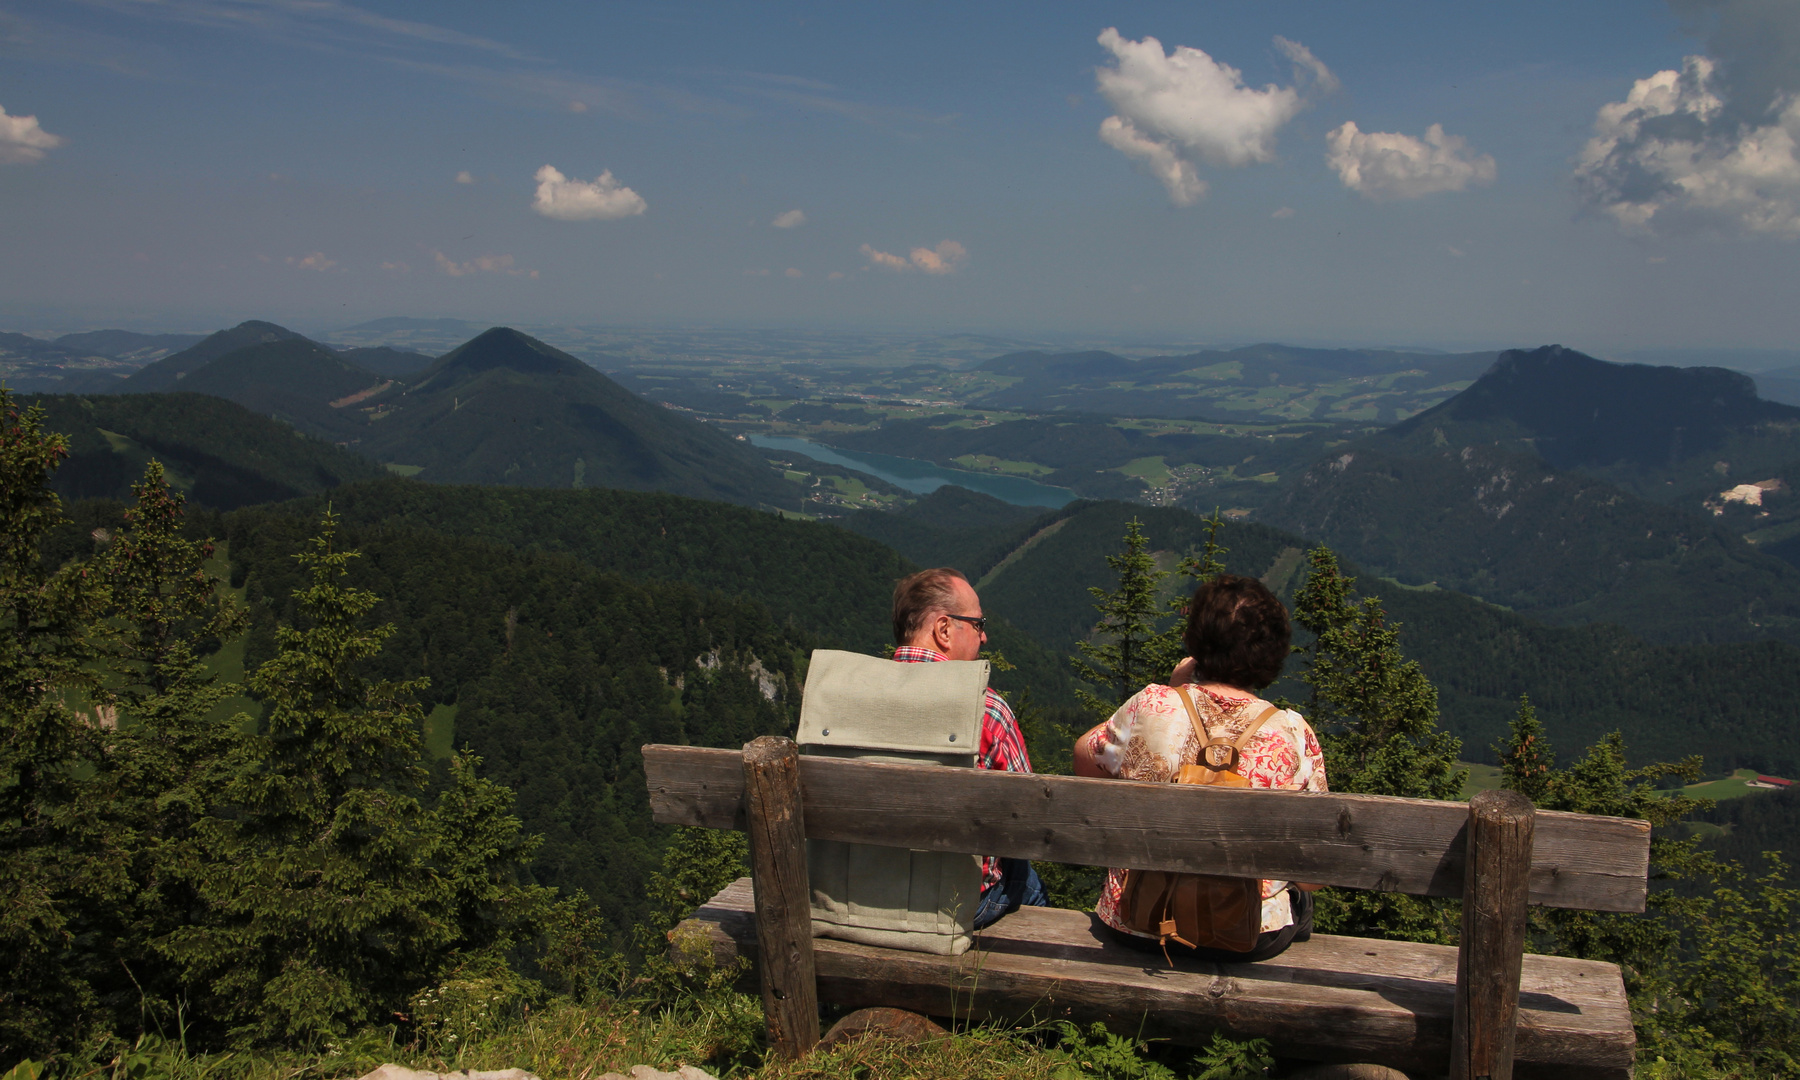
pixel 1199 910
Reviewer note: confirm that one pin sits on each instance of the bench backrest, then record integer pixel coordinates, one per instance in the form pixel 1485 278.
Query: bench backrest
pixel 1415 846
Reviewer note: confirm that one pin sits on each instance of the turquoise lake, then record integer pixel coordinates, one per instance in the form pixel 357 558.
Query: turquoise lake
pixel 923 476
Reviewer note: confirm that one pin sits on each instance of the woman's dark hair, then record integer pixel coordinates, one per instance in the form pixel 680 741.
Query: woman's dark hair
pixel 1237 632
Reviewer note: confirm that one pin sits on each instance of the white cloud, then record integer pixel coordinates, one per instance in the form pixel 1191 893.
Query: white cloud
pixel 23 141
pixel 397 267
pixel 465 177
pixel 795 273
pixel 1389 165
pixel 946 258
pixel 883 259
pixel 836 275
pixel 578 106
pixel 575 200
pixel 1282 213
pixel 1679 150
pixel 481 264
pixel 315 261
pixel 1175 111
pixel 792 219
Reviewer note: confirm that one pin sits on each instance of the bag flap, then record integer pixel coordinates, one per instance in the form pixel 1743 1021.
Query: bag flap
pixel 853 700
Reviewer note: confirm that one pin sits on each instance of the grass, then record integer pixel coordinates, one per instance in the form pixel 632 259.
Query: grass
pixel 1735 786
pixel 1151 470
pixel 1481 778
pixel 403 470
pixel 440 732
pixel 1005 466
pixel 721 1034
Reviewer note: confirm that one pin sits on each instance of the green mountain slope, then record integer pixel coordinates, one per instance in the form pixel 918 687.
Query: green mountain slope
pixel 218 453
pixel 164 375
pixel 300 382
pixel 558 673
pixel 1730 702
pixel 1558 546
pixel 1675 435
pixel 505 408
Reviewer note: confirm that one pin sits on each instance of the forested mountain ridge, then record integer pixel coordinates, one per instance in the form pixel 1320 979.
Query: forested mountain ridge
pixel 559 673
pixel 300 382
pixel 824 584
pixel 505 408
pixel 1729 702
pixel 164 374
pixel 217 453
pixel 1558 546
pixel 1674 435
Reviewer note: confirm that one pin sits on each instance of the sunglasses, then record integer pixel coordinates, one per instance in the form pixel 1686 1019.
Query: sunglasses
pixel 979 622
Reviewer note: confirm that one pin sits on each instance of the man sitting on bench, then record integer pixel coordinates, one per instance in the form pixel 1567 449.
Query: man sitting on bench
pixel 937 616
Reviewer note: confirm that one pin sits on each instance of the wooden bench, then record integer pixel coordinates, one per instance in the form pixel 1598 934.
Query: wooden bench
pixel 1479 1007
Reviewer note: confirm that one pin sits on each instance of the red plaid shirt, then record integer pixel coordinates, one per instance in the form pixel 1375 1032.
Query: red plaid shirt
pixel 1002 743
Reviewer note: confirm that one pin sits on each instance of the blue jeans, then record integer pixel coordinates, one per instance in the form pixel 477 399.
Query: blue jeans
pixel 1018 887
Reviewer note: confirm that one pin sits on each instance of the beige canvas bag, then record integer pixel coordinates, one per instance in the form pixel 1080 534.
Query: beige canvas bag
pixel 872 709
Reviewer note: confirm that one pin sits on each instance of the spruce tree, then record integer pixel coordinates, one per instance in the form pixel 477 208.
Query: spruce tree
pixel 1120 663
pixel 1167 649
pixel 1375 711
pixel 57 864
pixel 334 894
pixel 1376 716
pixel 169 758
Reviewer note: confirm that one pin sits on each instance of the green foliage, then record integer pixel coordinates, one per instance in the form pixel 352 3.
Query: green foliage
pixel 219 453
pixel 1167 648
pixel 332 890
pixel 1713 968
pixel 1376 716
pixel 1103 1054
pixel 56 859
pixel 1119 663
pixel 1375 711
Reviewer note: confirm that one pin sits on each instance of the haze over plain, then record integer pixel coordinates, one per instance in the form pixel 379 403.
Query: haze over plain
pixel 1616 176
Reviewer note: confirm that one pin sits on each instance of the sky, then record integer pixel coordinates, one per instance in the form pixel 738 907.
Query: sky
pixel 1613 175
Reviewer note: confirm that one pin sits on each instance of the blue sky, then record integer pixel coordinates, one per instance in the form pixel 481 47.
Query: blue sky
pixel 1261 171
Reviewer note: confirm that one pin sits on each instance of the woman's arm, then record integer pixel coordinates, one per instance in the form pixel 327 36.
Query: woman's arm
pixel 1085 765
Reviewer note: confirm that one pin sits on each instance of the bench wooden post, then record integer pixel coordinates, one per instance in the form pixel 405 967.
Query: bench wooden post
pixel 1497 879
pixel 790 991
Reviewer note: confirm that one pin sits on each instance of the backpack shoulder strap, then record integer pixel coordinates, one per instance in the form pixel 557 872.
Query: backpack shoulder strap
pixel 1200 728
pixel 1255 726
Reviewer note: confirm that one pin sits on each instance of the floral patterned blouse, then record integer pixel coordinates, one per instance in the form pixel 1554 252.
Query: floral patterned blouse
pixel 1150 738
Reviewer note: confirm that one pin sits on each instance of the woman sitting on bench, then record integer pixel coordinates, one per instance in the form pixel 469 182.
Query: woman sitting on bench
pixel 1208 726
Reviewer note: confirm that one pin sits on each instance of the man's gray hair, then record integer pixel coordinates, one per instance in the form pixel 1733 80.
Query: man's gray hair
pixel 921 594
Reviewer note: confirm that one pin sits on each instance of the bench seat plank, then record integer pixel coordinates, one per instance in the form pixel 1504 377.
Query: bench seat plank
pixel 1387 844
pixel 1327 999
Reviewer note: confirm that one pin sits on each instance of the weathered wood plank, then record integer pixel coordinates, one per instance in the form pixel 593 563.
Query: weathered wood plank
pixel 1327 999
pixel 1493 936
pixel 1362 841
pixel 790 995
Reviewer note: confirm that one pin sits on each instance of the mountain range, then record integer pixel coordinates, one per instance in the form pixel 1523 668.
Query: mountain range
pixel 502 408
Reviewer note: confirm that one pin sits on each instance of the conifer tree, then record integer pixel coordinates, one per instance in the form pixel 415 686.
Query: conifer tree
pixel 1167 649
pixel 334 894
pixel 168 759
pixel 1120 663
pixel 1376 716
pixel 56 862
pixel 1375 711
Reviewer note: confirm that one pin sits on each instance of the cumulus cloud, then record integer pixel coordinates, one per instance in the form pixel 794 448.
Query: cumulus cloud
pixel 604 199
pixel 23 141
pixel 1283 212
pixel 481 264
pixel 1715 144
pixel 795 272
pixel 465 177
pixel 1389 165
pixel 946 258
pixel 1176 111
pixel 792 219
pixel 315 261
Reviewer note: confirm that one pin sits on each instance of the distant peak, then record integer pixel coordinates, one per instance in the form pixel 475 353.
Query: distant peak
pixel 504 347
